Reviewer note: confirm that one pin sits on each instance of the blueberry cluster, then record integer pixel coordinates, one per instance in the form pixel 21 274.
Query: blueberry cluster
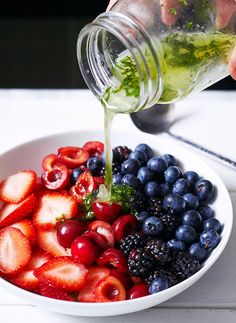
pixel 177 227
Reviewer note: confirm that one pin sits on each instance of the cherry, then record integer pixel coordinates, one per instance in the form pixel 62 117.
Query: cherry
pixel 49 161
pixel 57 178
pixel 96 238
pixel 83 250
pixel 123 226
pixel 123 278
pixel 106 211
pixel 72 156
pixel 109 289
pixel 114 258
pixel 94 148
pixel 138 290
pixel 68 231
pixel 104 229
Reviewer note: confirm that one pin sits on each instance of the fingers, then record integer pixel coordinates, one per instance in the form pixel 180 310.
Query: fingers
pixel 111 4
pixel 225 10
pixel 232 64
pixel 169 11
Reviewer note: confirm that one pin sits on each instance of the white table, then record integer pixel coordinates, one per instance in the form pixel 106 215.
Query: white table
pixel 207 118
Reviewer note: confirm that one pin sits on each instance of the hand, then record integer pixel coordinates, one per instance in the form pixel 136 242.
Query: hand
pixel 225 10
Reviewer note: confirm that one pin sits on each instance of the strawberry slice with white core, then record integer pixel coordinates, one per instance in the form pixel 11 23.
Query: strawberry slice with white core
pixel 53 207
pixel 47 240
pixel 27 228
pixel 10 213
pixel 64 273
pixel 15 188
pixel 15 251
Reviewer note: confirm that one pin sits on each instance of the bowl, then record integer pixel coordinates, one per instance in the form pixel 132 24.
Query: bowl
pixel 30 155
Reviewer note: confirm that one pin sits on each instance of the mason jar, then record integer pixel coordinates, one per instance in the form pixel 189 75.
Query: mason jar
pixel 146 52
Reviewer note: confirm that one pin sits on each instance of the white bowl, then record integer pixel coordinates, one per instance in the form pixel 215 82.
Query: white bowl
pixel 29 156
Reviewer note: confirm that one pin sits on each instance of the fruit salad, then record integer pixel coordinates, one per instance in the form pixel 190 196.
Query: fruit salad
pixel 61 238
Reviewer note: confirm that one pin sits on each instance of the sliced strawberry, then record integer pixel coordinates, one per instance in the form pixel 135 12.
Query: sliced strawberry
pixel 15 188
pixel 85 184
pixel 48 290
pixel 15 251
pixel 10 213
pixel 57 178
pixel 72 156
pixel 38 185
pixel 53 207
pixel 49 161
pixel 47 240
pixel 95 274
pixel 98 181
pixel 64 273
pixel 94 148
pixel 27 228
pixel 26 279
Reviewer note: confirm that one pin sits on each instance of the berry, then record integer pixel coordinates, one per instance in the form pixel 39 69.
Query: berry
pixel 158 284
pixel 113 258
pixel 57 178
pixel 120 154
pixel 68 231
pixel 212 224
pixel 76 172
pixel 169 159
pixel 109 289
pixel 206 212
pixel 159 250
pixel 123 226
pixel 157 165
pixel 209 239
pixel 137 291
pixel 116 178
pixel 141 217
pixel 191 177
pixel 137 202
pixel 155 206
pixel 84 250
pixel 94 148
pixel 198 251
pixel 106 211
pixel 165 189
pixel 186 234
pixel 131 180
pixel 172 174
pixel 162 272
pixel 130 166
pixel 170 223
pixel 191 200
pixel 174 244
pixel 72 157
pixel 94 164
pixel 27 228
pixel 140 262
pixel 192 218
pixel 84 185
pixel 115 169
pixel 145 175
pixel 174 203
pixel 152 226
pixel 132 241
pixel 184 265
pixel 140 156
pixel 181 187
pixel 151 189
pixel 204 190
pixel 48 290
pixel 146 149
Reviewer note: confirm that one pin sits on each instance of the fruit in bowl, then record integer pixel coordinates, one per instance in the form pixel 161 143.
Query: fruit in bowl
pixel 60 239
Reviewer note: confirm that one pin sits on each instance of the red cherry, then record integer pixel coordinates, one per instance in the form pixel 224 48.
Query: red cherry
pixel 114 258
pixel 49 161
pixel 68 231
pixel 96 238
pixel 106 211
pixel 123 278
pixel 123 226
pixel 138 290
pixel 83 250
pixel 57 178
pixel 72 156
pixel 94 148
pixel 104 229
pixel 109 289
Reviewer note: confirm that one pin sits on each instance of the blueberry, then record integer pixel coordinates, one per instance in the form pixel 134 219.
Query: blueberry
pixel 212 224
pixel 151 189
pixel 146 149
pixel 140 156
pixel 174 203
pixel 94 164
pixel 76 172
pixel 165 189
pixel 131 180
pixel 145 175
pixel 206 212
pixel 172 174
pixel 116 178
pixel 191 177
pixel 181 187
pixel 174 244
pixel 141 217
pixel 192 218
pixel 191 201
pixel 130 166
pixel 204 190
pixel 158 284
pixel 152 226
pixel 198 251
pixel 209 239
pixel 157 165
pixel 186 234
pixel 170 160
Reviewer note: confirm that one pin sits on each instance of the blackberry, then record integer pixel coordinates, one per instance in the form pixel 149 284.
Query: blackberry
pixel 115 169
pixel 140 262
pixel 132 241
pixel 154 206
pixel 137 202
pixel 184 265
pixel 170 223
pixel 159 250
pixel 162 272
pixel 120 154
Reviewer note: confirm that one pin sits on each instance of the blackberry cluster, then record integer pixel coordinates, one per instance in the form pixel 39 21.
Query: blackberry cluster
pixel 115 169
pixel 154 206
pixel 132 241
pixel 159 250
pixel 137 202
pixel 120 154
pixel 184 265
pixel 140 262
pixel 162 272
pixel 170 223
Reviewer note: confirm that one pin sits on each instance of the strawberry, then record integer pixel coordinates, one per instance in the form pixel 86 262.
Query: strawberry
pixel 47 240
pixel 95 274
pixel 10 213
pixel 15 251
pixel 64 273
pixel 48 290
pixel 53 207
pixel 15 188
pixel 26 279
pixel 27 228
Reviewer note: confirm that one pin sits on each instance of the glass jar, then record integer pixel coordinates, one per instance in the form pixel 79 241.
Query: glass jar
pixel 143 52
